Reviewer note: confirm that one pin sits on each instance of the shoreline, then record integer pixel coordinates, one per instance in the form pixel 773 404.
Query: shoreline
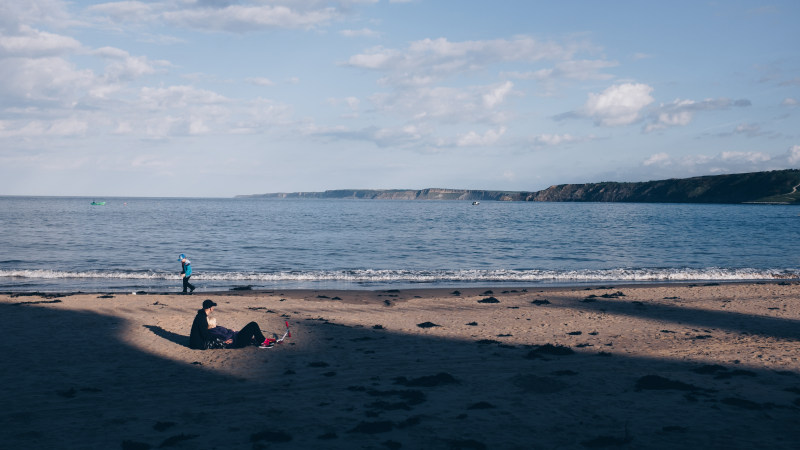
pixel 435 291
pixel 690 365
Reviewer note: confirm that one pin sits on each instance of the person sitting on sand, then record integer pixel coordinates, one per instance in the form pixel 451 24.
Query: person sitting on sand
pixel 249 335
pixel 203 334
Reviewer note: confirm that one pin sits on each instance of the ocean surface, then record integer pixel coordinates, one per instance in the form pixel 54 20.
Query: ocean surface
pixel 65 244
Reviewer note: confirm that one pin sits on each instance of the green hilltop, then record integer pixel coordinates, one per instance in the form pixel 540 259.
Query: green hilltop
pixel 776 187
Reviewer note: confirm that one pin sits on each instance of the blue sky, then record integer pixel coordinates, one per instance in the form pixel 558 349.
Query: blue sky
pixel 225 97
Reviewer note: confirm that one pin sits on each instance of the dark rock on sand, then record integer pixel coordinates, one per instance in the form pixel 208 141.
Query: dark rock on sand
pixel 540 302
pixel 411 397
pixel 538 385
pixel 549 349
pixel 465 444
pixel 177 439
pixel 427 325
pixel 742 403
pixel 383 426
pixel 163 426
pixel 134 445
pixel 389 406
pixel 605 441
pixel 659 383
pixel 270 436
pixel 489 300
pixel 709 369
pixel 481 405
pixel 735 373
pixel 39 302
pixel 439 379
pixel 410 422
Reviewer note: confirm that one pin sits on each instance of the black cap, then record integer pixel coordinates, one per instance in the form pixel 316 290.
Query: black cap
pixel 208 304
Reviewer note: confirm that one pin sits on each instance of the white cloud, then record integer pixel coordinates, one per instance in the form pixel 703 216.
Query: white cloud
pixel 178 97
pixel 662 159
pixel 124 67
pixel 678 113
pixel 234 17
pixel 619 104
pixel 570 70
pixel 497 95
pixel 477 104
pixel 793 155
pixel 260 81
pixel 51 79
pixel 788 101
pixel 748 157
pixel 681 112
pixel 131 11
pixel 473 139
pixel 436 59
pixel 68 127
pixel 552 140
pixel 239 18
pixel 29 42
pixel 364 32
pixel 722 162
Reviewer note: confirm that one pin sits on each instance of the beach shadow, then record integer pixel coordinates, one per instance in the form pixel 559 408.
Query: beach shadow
pixel 686 315
pixel 340 387
pixel 169 335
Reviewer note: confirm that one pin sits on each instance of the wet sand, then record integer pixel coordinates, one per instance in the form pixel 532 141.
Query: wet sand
pixel 655 366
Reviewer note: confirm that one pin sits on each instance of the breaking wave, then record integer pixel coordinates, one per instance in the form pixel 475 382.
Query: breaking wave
pixel 374 276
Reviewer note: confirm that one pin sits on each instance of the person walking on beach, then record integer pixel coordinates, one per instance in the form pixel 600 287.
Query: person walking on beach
pixel 205 330
pixel 186 272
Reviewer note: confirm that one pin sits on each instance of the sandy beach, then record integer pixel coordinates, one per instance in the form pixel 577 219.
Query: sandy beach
pixel 658 366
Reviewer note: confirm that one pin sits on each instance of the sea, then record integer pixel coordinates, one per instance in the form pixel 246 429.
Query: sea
pixel 67 244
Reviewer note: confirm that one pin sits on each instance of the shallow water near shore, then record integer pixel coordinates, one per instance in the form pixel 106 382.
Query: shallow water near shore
pixel 128 244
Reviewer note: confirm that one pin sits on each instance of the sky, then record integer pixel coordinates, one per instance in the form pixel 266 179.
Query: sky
pixel 216 98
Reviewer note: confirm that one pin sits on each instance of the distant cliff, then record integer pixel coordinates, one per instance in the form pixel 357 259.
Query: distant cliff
pixel 404 194
pixel 780 186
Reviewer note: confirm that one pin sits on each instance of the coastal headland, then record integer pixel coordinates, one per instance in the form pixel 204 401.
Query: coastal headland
pixel 644 366
pixel 776 187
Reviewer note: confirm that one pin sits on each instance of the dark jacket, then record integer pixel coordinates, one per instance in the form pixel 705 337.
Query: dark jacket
pixel 200 337
pixel 222 333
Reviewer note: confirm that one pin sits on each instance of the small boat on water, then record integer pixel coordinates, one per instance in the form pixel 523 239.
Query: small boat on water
pixel 98 203
pixel 476 203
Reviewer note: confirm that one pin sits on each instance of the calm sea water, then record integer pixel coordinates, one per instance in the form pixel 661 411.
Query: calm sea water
pixel 67 244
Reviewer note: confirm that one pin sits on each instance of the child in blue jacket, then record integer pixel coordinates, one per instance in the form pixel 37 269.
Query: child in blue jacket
pixel 186 272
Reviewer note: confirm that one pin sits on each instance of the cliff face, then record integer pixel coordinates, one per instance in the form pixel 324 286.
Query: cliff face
pixel 780 186
pixel 776 186
pixel 404 194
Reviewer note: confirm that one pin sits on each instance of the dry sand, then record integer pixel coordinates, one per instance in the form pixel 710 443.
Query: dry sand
pixel 675 366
